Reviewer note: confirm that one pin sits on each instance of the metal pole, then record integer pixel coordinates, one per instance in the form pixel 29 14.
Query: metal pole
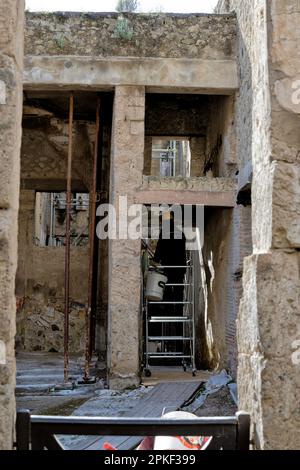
pixel 93 196
pixel 51 220
pixel 68 229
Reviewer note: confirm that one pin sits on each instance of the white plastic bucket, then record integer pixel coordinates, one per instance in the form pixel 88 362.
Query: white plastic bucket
pixel 186 443
pixel 155 285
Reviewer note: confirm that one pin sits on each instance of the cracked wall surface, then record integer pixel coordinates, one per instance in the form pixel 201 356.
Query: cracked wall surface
pixel 11 64
pixel 130 35
pixel 268 321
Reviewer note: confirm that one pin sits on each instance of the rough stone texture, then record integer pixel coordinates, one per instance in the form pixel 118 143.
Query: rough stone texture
pixel 221 136
pixel 44 155
pixel 268 324
pixel 284 59
pixel 11 55
pixel 124 255
pixel 157 74
pixel 286 205
pixel 135 35
pixel 197 147
pixel 227 241
pixel 253 110
pixel 40 291
pixel 191 184
pixel 176 115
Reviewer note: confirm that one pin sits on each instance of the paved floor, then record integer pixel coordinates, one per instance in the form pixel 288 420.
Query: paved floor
pixel 39 374
pixel 160 399
pixel 40 385
pixel 161 374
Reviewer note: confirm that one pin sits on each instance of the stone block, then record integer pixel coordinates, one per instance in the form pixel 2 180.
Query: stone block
pixel 135 113
pixel 269 316
pixel 10 133
pixel 286 206
pixel 280 403
pixel 11 29
pixel 8 261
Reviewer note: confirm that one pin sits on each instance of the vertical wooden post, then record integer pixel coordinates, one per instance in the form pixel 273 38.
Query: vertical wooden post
pixel 68 230
pixel 93 197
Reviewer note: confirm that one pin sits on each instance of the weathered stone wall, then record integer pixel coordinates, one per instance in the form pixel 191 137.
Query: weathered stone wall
pixel 44 154
pixel 171 115
pixel 268 322
pixel 284 66
pixel 130 35
pixel 40 288
pixel 11 64
pixel 40 274
pixel 227 241
pixel 190 184
pixel 221 150
pixel 252 111
pixel 216 251
pixel 206 121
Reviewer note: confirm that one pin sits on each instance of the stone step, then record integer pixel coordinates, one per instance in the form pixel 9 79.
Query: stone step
pixel 47 371
pixel 41 379
pixel 34 388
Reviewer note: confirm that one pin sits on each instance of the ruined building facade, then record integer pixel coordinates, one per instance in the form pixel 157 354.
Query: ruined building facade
pixel 222 83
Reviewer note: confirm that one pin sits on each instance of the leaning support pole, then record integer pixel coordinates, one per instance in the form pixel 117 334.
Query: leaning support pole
pixel 68 227
pixel 93 197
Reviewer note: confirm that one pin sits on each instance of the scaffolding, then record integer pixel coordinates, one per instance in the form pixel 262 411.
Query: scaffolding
pixel 166 340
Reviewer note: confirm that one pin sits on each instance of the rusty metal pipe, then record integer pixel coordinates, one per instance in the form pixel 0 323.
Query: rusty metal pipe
pixel 68 230
pixel 93 198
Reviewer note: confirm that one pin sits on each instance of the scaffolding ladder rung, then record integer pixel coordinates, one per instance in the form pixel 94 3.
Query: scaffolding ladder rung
pixel 168 355
pixel 170 319
pixel 169 338
pixel 166 302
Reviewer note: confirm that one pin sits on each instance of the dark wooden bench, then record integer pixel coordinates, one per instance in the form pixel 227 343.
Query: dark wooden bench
pixel 39 432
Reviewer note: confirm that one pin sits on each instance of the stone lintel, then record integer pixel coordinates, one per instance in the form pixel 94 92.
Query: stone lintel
pixel 157 74
pixel 205 198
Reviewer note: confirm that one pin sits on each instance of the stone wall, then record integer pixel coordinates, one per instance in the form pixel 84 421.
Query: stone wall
pixel 40 289
pixel 130 35
pixel 11 63
pixel 221 151
pixel 268 321
pixel 40 274
pixel 44 154
pixel 227 241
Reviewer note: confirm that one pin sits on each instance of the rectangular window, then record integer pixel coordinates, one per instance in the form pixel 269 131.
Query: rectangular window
pixel 170 158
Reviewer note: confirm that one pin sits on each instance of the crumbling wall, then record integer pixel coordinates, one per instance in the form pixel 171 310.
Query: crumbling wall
pixel 218 228
pixel 268 135
pixel 11 63
pixel 130 35
pixel 44 154
pixel 220 152
pixel 40 288
pixel 227 241
pixel 40 274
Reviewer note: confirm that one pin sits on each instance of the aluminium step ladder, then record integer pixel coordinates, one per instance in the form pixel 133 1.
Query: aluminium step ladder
pixel 185 323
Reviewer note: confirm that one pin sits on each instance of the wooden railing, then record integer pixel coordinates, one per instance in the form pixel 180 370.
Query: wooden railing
pixel 39 432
